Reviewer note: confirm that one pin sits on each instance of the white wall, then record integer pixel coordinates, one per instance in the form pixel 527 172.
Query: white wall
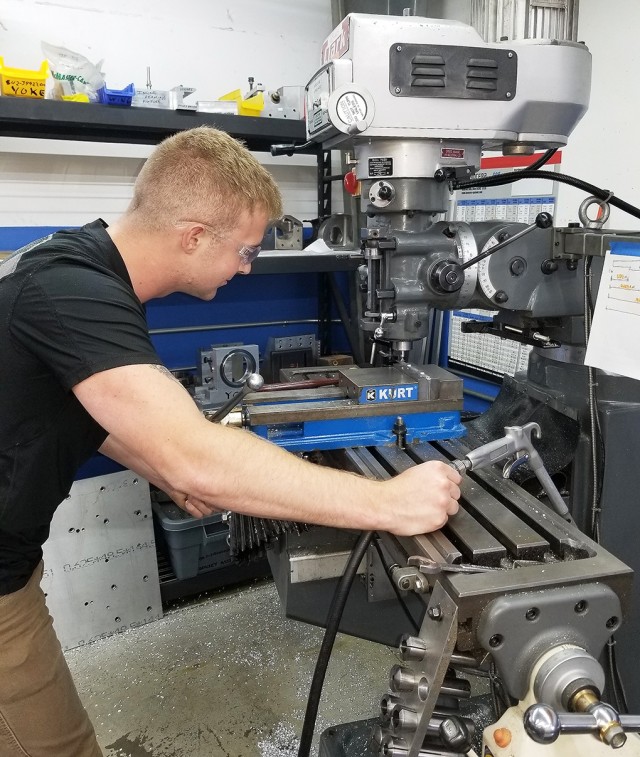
pixel 457 10
pixel 82 181
pixel 211 45
pixel 603 150
pixel 206 44
pixel 215 47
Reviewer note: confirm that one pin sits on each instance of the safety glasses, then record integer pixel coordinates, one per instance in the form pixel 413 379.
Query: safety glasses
pixel 247 252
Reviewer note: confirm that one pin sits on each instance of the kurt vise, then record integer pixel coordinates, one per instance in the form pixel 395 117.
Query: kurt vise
pixel 351 407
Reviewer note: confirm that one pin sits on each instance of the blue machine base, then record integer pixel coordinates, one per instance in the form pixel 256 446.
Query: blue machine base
pixel 372 431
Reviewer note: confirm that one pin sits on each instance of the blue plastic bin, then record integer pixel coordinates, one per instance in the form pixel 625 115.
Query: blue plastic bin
pixel 117 96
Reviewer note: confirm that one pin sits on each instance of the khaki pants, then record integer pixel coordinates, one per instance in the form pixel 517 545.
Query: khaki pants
pixel 40 712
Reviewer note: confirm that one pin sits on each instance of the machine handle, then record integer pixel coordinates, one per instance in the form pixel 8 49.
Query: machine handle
pixel 517 442
pixel 292 148
pixel 254 381
pixel 543 724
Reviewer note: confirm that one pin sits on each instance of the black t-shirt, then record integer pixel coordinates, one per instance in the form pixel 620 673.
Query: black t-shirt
pixel 67 310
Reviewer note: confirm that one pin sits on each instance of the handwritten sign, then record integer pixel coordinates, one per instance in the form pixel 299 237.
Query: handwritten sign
pixel 22 87
pixel 151 98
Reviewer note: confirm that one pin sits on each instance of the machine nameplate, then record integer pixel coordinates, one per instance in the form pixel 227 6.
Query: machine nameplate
pixel 351 108
pixel 380 167
pixel 401 393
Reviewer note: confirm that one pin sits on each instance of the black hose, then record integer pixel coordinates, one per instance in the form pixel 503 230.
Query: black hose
pixel 493 690
pixel 544 158
pixel 618 684
pixel 333 622
pixel 602 194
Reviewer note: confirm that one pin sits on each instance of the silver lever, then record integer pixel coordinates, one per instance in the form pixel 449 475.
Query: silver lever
pixel 253 382
pixel 517 442
pixel 430 567
pixel 543 724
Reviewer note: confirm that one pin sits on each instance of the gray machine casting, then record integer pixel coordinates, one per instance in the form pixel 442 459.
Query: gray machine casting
pixel 416 115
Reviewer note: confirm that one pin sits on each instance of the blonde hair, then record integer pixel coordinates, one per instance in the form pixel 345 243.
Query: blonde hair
pixel 204 175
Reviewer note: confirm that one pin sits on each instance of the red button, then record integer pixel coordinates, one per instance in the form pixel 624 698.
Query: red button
pixel 351 184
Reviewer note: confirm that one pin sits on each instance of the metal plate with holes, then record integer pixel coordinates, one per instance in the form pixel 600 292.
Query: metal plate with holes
pixel 520 628
pixel 471 73
pixel 101 571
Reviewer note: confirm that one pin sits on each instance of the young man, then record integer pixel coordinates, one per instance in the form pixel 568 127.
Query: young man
pixel 79 373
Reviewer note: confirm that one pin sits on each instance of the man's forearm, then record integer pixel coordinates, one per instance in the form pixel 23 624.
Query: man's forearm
pixel 235 470
pixel 228 468
pixel 117 451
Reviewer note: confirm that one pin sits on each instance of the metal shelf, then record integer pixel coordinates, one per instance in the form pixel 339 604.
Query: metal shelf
pixel 51 119
pixel 301 261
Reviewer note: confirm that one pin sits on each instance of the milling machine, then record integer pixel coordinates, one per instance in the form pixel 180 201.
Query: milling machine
pixel 509 586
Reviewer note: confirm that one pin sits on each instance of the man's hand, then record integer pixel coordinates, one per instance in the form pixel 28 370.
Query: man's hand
pixel 423 498
pixel 194 506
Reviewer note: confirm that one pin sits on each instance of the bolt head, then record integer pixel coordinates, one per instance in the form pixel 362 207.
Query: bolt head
pixel 517 267
pixel 435 613
pixel 615 737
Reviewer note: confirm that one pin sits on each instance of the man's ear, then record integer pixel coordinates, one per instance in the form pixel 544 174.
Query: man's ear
pixel 191 237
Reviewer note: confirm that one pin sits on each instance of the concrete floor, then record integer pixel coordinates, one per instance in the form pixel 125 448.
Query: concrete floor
pixel 225 676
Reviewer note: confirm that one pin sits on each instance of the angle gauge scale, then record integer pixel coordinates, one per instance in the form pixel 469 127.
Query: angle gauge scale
pixel 466 248
pixel 484 278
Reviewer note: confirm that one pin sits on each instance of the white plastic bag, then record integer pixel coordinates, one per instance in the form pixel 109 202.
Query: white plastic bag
pixel 71 74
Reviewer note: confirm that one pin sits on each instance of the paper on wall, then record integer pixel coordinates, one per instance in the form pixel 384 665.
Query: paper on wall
pixel 614 342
